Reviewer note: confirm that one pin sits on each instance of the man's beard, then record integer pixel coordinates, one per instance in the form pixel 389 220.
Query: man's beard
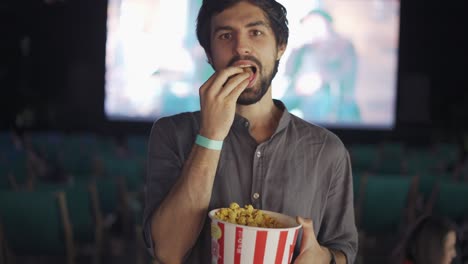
pixel 250 95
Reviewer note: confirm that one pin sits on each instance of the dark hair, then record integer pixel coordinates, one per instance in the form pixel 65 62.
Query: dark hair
pixel 426 242
pixel 274 11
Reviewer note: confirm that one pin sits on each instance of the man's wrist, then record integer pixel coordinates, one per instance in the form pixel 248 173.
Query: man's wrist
pixel 208 143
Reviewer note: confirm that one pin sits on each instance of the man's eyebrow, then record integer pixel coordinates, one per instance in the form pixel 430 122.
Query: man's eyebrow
pixel 257 23
pixel 251 24
pixel 221 28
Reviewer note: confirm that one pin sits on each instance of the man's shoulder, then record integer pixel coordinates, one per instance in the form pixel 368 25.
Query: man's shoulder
pixel 317 134
pixel 182 120
pixel 181 125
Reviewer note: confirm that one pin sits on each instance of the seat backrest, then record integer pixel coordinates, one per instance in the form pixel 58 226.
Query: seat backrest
pixel 392 149
pixel 5 176
pixel 77 162
pixel 80 205
pixel 428 182
pixel 447 152
pixel 14 172
pixel 389 166
pixel 131 169
pixel 383 203
pixel 363 157
pixel 109 194
pixel 81 211
pixel 420 161
pixel 451 200
pixel 33 222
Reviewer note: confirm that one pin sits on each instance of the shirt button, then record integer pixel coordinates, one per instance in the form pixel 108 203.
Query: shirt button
pixel 256 196
pixel 246 124
pixel 259 154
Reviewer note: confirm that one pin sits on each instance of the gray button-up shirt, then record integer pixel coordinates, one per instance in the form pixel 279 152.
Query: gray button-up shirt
pixel 303 169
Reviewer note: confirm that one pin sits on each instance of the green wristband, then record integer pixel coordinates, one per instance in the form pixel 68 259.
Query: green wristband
pixel 208 143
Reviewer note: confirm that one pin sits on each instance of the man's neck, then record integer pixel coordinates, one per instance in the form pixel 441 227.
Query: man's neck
pixel 263 116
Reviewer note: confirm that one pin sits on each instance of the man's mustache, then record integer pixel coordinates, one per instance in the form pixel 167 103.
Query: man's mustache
pixel 247 57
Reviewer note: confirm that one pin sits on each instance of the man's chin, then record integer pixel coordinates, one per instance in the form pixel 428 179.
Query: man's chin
pixel 248 100
pixel 249 96
pixel 252 95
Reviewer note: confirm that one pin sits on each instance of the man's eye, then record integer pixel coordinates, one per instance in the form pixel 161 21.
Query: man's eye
pixel 225 36
pixel 257 33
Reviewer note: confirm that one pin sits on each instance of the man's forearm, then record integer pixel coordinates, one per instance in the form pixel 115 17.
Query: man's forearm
pixel 176 224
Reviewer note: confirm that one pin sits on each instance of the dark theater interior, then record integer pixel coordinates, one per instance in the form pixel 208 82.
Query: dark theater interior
pixel 73 164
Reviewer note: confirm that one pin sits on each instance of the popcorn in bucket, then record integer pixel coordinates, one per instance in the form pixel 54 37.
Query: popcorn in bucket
pixel 232 242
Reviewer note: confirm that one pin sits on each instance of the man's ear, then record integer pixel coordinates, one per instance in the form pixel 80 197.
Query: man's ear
pixel 208 59
pixel 281 49
pixel 210 62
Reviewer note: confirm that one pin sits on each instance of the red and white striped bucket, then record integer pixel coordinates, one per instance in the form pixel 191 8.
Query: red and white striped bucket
pixel 239 244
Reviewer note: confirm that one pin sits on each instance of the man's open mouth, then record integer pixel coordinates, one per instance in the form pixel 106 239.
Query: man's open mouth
pixel 251 69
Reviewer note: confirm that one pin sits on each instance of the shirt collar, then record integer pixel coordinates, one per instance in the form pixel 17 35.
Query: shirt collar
pixel 241 122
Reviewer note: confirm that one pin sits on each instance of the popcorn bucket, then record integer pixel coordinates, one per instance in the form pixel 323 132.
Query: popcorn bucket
pixel 238 244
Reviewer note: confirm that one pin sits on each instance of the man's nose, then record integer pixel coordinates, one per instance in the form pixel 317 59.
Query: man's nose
pixel 242 45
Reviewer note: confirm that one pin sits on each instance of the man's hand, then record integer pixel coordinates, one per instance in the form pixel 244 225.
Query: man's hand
pixel 311 251
pixel 218 97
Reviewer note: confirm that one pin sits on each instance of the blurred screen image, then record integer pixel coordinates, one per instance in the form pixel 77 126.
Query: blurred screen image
pixel 339 69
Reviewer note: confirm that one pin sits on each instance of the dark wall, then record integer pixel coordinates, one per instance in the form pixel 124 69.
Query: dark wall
pixel 443 54
pixel 53 73
pixel 52 69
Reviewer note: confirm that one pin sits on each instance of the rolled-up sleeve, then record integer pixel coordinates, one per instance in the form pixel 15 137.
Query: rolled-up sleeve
pixel 164 165
pixel 338 230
